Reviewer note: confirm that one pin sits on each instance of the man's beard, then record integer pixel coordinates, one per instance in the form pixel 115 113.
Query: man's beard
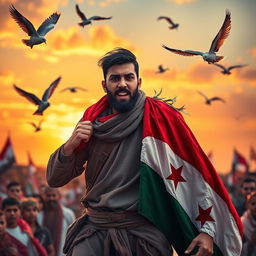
pixel 123 106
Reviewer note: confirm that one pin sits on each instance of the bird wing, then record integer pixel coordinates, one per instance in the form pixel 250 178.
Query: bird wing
pixel 203 95
pixel 217 98
pixel 100 18
pixel 80 14
pixel 219 65
pixel 222 34
pixel 236 66
pixel 23 22
pixel 169 20
pixel 184 53
pixel 63 90
pixel 29 96
pixel 49 91
pixel 40 123
pixel 80 88
pixel 33 124
pixel 48 24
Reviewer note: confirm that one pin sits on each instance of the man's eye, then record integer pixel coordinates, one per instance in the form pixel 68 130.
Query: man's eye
pixel 129 77
pixel 114 78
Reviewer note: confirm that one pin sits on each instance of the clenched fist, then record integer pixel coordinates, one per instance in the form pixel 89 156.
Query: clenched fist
pixel 82 132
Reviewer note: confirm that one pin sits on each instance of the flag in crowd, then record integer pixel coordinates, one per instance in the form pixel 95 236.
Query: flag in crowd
pixel 239 168
pixel 32 185
pixel 7 157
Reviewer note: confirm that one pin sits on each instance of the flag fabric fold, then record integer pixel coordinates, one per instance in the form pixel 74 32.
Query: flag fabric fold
pixel 7 157
pixel 180 191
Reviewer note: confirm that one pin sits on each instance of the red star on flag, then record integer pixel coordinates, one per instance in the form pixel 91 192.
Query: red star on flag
pixel 176 176
pixel 204 215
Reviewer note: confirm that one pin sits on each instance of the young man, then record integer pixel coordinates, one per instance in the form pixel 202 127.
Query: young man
pixel 7 247
pixel 142 163
pixel 249 224
pixel 56 218
pixel 14 190
pixel 248 185
pixel 19 231
pixel 29 212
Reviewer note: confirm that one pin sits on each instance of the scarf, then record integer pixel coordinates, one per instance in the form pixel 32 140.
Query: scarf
pixel 179 188
pixel 53 221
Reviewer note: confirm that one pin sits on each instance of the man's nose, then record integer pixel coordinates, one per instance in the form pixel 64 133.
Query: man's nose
pixel 122 82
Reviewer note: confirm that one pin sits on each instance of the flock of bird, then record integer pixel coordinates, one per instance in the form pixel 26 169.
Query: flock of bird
pixel 38 37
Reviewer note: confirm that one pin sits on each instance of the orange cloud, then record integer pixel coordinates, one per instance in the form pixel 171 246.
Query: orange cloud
pixel 104 3
pixel 248 74
pixel 72 41
pixel 201 72
pixel 151 74
pixel 253 52
pixel 7 77
pixel 183 1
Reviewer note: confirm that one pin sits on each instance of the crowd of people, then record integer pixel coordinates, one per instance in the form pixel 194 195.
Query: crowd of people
pixel 36 225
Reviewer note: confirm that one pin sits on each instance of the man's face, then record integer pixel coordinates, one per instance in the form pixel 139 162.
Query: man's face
pixel 30 213
pixel 247 188
pixel 12 213
pixel 122 86
pixel 51 198
pixel 15 192
pixel 252 206
pixel 2 225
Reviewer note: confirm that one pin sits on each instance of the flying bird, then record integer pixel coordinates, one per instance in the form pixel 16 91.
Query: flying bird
pixel 36 36
pixel 208 101
pixel 169 20
pixel 161 69
pixel 73 89
pixel 86 21
pixel 37 126
pixel 217 42
pixel 42 104
pixel 226 70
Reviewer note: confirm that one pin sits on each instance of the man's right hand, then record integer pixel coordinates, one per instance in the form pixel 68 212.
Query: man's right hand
pixel 82 132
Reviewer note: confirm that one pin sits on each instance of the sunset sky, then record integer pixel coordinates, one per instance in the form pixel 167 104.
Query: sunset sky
pixel 72 52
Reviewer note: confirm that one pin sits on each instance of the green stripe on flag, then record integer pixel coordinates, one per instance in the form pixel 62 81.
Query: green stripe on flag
pixel 165 212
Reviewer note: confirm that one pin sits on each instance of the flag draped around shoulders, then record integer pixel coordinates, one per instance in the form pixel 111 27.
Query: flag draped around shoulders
pixel 180 191
pixel 7 157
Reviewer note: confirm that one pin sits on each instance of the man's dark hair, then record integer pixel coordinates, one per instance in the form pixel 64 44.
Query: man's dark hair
pixel 10 201
pixel 248 180
pixel 12 184
pixel 118 56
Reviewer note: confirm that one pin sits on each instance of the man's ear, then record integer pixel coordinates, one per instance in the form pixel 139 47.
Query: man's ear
pixel 139 82
pixel 104 85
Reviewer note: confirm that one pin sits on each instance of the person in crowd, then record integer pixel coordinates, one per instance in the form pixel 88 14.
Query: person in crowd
pixel 7 247
pixel 40 201
pixel 29 212
pixel 247 186
pixel 56 217
pixel 14 190
pixel 249 224
pixel 19 231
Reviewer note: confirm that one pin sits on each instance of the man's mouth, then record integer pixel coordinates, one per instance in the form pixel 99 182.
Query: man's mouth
pixel 122 92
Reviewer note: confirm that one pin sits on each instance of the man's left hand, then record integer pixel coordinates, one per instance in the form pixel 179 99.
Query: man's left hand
pixel 204 243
